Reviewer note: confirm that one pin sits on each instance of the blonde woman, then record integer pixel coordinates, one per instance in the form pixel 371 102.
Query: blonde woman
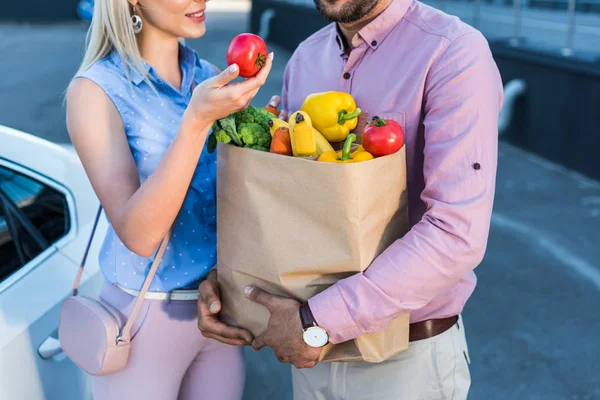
pixel 138 112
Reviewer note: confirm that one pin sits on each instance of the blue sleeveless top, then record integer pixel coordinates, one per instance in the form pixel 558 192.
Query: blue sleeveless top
pixel 151 122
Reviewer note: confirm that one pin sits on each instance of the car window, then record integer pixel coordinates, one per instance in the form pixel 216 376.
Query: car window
pixel 9 259
pixel 32 217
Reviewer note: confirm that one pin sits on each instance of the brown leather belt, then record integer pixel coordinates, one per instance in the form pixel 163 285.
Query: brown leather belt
pixel 430 328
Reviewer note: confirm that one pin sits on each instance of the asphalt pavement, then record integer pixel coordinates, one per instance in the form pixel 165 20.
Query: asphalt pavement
pixel 533 321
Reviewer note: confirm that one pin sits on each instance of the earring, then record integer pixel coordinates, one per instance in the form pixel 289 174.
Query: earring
pixel 136 21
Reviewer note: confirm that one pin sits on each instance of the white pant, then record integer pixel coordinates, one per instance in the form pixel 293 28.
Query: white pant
pixel 431 369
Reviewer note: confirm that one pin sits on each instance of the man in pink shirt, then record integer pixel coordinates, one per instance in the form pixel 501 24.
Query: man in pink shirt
pixel 435 76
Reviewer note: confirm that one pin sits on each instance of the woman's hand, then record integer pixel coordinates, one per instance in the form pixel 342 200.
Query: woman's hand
pixel 215 98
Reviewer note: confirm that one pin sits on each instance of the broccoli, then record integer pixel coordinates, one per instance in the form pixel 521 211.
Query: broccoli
pixel 227 126
pixel 254 114
pixel 223 131
pixel 267 113
pixel 248 128
pixel 253 134
pixel 222 136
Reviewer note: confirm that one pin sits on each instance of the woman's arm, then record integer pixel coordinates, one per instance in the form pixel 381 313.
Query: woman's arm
pixel 140 214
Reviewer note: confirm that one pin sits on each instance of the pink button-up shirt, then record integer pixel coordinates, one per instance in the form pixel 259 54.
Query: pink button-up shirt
pixel 436 76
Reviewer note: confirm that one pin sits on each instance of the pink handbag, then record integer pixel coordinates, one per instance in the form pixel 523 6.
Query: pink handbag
pixel 91 332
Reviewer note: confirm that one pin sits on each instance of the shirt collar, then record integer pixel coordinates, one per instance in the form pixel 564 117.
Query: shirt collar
pixel 339 39
pixel 377 30
pixel 188 62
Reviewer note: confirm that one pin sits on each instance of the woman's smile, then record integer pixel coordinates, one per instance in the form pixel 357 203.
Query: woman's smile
pixel 197 16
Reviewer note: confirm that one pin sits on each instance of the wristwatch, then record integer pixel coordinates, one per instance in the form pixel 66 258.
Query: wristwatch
pixel 314 335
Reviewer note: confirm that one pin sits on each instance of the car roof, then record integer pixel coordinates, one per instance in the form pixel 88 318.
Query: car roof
pixel 40 155
pixel 58 163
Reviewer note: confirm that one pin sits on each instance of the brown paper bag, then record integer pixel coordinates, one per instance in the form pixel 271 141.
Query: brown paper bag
pixel 294 226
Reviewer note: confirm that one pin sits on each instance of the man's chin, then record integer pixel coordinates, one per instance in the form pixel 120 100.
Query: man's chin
pixel 339 11
pixel 332 14
pixel 329 10
pixel 343 19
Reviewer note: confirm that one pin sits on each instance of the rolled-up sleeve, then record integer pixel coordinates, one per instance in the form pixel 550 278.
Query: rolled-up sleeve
pixel 463 97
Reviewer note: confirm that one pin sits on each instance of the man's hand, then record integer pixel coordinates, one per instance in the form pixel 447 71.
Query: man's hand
pixel 275 101
pixel 283 115
pixel 209 305
pixel 284 332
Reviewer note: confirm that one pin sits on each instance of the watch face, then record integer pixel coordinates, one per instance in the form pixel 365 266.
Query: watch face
pixel 316 337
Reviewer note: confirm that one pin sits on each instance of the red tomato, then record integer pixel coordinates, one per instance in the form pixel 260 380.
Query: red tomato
pixel 249 52
pixel 382 137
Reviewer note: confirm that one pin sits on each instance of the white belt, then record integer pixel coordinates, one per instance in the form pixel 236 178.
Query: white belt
pixel 191 294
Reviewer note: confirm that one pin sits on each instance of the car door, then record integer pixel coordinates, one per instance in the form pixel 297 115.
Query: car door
pixel 37 218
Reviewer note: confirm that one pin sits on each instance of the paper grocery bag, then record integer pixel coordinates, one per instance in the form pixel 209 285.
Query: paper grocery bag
pixel 295 226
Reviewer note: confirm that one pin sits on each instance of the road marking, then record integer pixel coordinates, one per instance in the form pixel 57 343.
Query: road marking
pixel 583 181
pixel 590 200
pixel 552 247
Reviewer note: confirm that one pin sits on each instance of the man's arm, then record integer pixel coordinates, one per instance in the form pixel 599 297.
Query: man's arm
pixel 463 96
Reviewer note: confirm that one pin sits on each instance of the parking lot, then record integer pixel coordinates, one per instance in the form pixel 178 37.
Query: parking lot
pixel 533 321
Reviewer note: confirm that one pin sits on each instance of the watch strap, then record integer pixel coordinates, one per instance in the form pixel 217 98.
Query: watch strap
pixel 306 316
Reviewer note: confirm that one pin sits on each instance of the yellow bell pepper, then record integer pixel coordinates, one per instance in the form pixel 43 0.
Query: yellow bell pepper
pixel 345 156
pixel 302 135
pixel 334 114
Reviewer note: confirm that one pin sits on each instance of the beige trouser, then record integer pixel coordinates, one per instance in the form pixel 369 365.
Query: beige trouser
pixel 431 369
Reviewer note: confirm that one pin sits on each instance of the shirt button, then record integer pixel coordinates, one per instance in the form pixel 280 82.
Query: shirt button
pixel 477 166
pixel 374 43
pixel 347 75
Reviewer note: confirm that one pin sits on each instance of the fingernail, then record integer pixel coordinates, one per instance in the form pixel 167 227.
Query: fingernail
pixel 248 290
pixel 248 339
pixel 213 306
pixel 271 56
pixel 273 103
pixel 233 68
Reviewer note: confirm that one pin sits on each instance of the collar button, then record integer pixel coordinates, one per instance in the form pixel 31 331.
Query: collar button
pixel 374 43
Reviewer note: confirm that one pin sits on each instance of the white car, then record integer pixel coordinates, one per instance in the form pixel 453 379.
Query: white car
pixel 47 210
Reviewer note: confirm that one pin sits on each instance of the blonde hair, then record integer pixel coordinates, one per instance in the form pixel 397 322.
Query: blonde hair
pixel 112 29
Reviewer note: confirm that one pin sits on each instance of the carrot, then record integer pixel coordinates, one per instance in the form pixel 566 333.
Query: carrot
pixel 272 110
pixel 281 143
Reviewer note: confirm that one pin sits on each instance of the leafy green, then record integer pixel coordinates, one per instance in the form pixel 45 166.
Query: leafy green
pixel 248 128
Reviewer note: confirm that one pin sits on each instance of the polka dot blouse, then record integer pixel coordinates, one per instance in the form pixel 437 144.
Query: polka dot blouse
pixel 151 121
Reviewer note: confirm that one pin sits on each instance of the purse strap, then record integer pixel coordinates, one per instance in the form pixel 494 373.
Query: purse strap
pixel 85 254
pixel 125 335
